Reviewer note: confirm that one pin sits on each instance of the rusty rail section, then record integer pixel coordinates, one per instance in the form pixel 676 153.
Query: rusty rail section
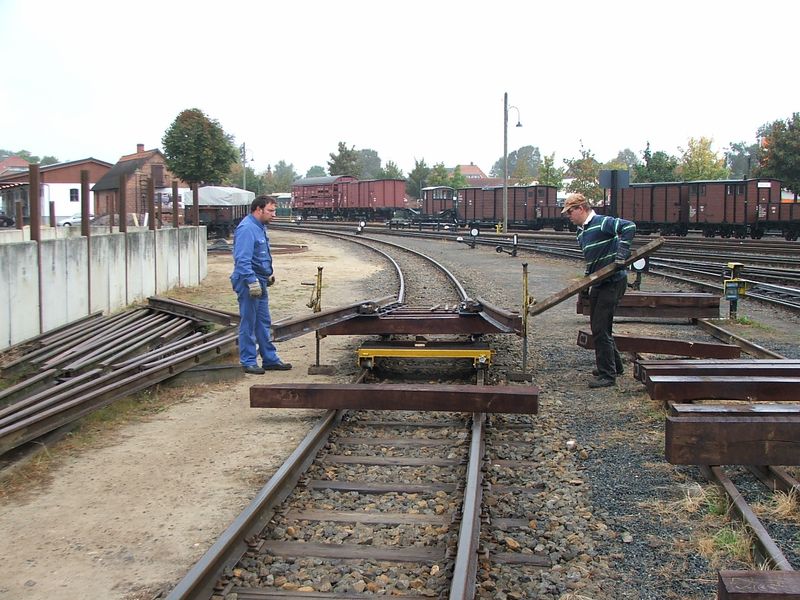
pixel 458 398
pixel 662 305
pixel 83 367
pixel 654 345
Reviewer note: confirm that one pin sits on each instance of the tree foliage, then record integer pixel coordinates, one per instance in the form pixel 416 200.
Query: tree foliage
pixel 626 160
pixel 655 166
pixel 700 162
pixel 585 170
pixel 280 179
pixel 253 182
pixel 523 164
pixel 344 161
pixel 316 171
pixel 390 171
pixel 196 148
pixel 439 175
pixel 740 159
pixel 369 164
pixel 549 174
pixel 779 155
pixel 417 178
pixel 31 158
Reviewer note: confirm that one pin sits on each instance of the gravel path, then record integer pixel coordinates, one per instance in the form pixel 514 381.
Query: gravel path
pixel 126 516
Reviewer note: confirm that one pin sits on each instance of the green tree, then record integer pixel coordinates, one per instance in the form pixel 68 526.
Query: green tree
pixel 281 179
pixel 549 174
pixel 656 166
pixel 585 170
pixel 254 182
pixel 529 156
pixel 197 150
pixel 700 162
pixel 779 154
pixel 31 158
pixel 625 160
pixel 369 164
pixel 740 159
pixel 457 179
pixel 344 162
pixel 390 171
pixel 439 175
pixel 316 171
pixel 417 178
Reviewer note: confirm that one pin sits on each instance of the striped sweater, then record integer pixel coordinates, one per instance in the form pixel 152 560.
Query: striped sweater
pixel 601 238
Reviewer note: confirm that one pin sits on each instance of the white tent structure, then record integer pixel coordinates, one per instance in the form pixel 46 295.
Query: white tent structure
pixel 213 195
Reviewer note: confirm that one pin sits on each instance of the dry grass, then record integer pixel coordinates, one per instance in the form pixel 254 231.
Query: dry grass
pixel 92 431
pixel 782 505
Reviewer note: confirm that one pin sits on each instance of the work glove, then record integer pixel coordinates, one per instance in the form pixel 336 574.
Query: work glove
pixel 255 289
pixel 622 255
pixel 270 280
pixel 584 296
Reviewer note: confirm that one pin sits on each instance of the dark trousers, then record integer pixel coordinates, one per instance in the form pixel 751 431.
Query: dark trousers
pixel 603 301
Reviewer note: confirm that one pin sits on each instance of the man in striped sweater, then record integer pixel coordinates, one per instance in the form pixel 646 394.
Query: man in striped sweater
pixel 604 241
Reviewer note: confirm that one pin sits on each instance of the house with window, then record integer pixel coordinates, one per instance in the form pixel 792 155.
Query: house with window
pixel 59 183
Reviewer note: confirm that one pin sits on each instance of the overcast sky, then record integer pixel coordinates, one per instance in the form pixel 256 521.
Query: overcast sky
pixel 411 80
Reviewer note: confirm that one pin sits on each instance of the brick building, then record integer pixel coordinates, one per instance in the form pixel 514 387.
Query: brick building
pixel 138 169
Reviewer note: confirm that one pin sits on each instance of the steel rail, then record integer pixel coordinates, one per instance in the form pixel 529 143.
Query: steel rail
pixel 764 542
pixel 64 407
pixel 200 581
pixel 401 294
pixel 76 335
pixel 287 329
pixel 465 569
pixel 452 278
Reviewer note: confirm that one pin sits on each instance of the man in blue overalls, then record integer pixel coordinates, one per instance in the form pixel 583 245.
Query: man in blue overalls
pixel 252 274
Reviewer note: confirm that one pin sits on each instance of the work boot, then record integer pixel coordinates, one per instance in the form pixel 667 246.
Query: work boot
pixel 252 369
pixel 278 366
pixel 601 382
pixel 620 371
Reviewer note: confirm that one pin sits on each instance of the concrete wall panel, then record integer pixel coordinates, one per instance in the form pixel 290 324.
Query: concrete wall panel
pixel 19 293
pixel 124 269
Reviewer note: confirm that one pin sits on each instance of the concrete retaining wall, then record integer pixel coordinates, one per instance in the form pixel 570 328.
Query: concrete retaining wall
pixel 79 276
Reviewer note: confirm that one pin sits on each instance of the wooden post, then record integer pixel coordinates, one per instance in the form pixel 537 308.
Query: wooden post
pixel 19 215
pixel 34 203
pixel 85 224
pixel 175 203
pixel 123 203
pixel 151 204
pixel 52 217
pixel 35 207
pixel 86 232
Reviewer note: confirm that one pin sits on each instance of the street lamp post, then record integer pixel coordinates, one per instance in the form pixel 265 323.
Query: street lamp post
pixel 505 157
pixel 243 154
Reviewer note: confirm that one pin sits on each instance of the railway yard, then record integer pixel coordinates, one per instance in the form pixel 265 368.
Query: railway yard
pixel 530 485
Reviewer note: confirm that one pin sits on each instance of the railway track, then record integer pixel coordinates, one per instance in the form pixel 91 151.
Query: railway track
pixel 386 502
pixel 771 267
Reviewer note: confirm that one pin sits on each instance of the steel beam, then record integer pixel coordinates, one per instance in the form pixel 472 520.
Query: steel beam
pixel 771 369
pixel 291 328
pixel 724 440
pixel 676 388
pixel 456 398
pixel 758 585
pixel 654 345
pixel 662 305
